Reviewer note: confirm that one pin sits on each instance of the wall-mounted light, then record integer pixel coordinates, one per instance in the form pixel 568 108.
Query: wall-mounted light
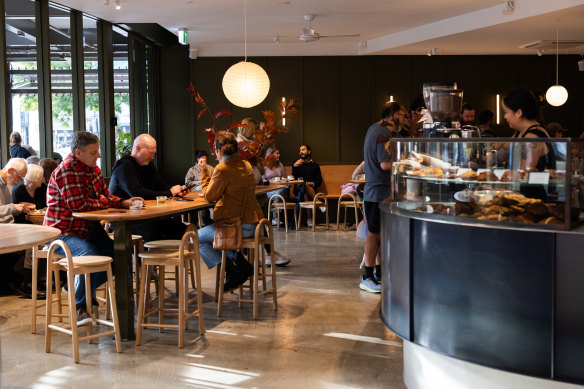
pixel 283 111
pixel 183 36
pixel 498 109
pixel 432 52
pixel 540 52
pixel 117 5
pixel 391 99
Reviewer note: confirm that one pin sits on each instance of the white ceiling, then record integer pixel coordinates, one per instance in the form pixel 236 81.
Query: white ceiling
pixel 396 27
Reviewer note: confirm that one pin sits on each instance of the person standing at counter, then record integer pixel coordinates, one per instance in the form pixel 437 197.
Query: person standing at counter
pixel 377 188
pixel 521 111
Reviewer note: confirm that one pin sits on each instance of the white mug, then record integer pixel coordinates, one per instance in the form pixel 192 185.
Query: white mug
pixel 138 203
pixel 277 178
pixel 290 177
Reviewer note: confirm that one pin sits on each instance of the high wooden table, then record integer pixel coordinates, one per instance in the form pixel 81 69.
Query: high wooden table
pixel 16 237
pixel 123 220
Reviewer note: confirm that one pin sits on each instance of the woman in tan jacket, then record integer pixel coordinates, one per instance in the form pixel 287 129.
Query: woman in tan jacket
pixel 227 186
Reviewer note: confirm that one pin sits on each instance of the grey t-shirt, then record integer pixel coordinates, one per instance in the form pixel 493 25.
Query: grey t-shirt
pixel 378 181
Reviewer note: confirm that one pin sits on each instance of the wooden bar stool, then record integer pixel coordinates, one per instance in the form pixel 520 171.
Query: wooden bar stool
pixel 187 252
pixel 352 202
pixel 38 253
pixel 255 247
pixel 314 205
pixel 78 265
pixel 281 206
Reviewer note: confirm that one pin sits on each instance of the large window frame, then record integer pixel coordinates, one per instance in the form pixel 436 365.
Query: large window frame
pixel 144 115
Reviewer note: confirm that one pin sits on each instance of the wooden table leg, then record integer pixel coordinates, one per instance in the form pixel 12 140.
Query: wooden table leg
pixel 124 280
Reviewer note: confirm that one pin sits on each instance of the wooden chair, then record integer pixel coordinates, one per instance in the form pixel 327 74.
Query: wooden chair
pixel 283 205
pixel 352 202
pixel 38 253
pixel 314 206
pixel 78 265
pixel 187 252
pixel 255 247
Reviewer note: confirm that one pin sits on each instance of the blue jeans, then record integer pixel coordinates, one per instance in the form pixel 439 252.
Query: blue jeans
pixel 99 243
pixel 282 192
pixel 211 256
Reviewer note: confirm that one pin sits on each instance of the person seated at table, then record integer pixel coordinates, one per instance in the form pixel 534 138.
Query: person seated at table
pixel 134 175
pixel 32 190
pixel 232 187
pixel 193 177
pixel 11 175
pixel 16 148
pixel 49 165
pixel 77 185
pixel 309 171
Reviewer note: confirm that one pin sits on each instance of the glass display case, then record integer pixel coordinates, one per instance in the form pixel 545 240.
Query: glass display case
pixel 537 182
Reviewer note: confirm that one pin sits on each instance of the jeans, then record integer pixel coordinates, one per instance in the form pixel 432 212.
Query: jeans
pixel 99 243
pixel 282 192
pixel 211 256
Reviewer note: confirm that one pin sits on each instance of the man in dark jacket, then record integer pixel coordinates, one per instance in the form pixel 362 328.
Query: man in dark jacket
pixel 308 170
pixel 135 175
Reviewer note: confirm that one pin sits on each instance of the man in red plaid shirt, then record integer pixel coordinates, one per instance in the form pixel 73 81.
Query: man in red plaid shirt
pixel 78 186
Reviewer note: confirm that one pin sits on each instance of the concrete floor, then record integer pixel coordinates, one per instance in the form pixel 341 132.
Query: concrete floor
pixel 325 334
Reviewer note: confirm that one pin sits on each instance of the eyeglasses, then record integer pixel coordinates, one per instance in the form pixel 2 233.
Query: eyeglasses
pixel 19 179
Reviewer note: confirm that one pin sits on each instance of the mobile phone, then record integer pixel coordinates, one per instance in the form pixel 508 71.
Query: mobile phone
pixel 190 184
pixel 182 199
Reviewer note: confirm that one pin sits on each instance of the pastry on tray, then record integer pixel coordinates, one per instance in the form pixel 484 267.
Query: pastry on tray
pixel 469 175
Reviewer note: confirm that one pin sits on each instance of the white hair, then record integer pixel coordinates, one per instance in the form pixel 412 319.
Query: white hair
pixel 18 164
pixel 35 173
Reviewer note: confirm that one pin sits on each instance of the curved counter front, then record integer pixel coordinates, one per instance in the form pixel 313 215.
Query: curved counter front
pixel 506 298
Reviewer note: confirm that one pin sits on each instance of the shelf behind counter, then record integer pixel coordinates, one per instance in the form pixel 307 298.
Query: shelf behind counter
pixel 505 297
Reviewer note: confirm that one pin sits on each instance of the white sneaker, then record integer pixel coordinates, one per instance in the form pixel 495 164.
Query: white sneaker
pixel 322 209
pixel 274 222
pixel 362 265
pixel 280 260
pixel 309 222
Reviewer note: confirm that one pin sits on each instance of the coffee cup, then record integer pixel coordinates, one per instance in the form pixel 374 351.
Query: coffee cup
pixel 277 178
pixel 138 203
pixel 160 200
pixel 290 177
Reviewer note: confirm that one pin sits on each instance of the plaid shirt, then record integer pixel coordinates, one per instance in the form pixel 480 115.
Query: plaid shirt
pixel 76 187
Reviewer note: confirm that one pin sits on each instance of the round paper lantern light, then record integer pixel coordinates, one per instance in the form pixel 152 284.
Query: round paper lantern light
pixel 556 95
pixel 246 84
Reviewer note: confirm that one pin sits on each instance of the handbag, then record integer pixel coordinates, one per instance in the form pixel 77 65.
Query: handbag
pixel 228 231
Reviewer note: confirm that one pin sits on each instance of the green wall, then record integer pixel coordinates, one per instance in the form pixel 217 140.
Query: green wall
pixel 341 96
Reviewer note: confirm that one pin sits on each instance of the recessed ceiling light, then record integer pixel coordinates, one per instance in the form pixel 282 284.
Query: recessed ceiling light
pixel 117 5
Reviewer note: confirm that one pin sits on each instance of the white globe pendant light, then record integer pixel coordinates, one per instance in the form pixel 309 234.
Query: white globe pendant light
pixel 556 95
pixel 246 84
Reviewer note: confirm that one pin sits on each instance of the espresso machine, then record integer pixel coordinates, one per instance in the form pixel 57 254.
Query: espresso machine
pixel 444 103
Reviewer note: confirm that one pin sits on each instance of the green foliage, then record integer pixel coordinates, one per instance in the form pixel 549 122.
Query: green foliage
pixel 123 143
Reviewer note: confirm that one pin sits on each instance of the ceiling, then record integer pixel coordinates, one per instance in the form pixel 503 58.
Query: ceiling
pixel 386 27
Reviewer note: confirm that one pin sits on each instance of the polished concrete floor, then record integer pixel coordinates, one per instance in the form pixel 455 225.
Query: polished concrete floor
pixel 325 334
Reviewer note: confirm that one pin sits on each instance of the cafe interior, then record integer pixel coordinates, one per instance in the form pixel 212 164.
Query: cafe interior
pixel 118 69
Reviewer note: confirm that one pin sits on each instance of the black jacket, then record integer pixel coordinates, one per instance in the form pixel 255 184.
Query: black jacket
pixel 132 180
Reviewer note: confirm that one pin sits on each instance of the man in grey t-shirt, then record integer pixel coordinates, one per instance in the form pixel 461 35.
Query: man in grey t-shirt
pixel 377 188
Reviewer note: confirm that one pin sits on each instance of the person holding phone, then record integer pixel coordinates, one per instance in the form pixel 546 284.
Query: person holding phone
pixel 193 177
pixel 135 175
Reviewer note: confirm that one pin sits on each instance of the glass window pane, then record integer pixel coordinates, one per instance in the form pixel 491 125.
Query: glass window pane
pixel 61 85
pixel 121 91
pixel 22 73
pixel 91 75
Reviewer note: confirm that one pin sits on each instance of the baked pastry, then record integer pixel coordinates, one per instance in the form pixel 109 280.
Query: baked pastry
pixel 511 176
pixel 537 210
pixel 551 220
pixel 487 176
pixel 523 218
pixel 467 208
pixel 469 175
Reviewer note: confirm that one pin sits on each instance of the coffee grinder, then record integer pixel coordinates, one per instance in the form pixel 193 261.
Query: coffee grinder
pixel 444 102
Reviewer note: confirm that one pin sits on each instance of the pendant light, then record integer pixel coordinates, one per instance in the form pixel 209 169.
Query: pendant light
pixel 557 95
pixel 245 84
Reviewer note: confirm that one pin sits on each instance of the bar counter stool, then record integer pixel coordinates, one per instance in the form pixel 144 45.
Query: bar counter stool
pixel 38 253
pixel 255 247
pixel 314 205
pixel 351 202
pixel 283 205
pixel 78 265
pixel 187 252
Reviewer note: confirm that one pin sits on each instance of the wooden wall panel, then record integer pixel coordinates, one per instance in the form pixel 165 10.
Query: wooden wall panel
pixel 321 108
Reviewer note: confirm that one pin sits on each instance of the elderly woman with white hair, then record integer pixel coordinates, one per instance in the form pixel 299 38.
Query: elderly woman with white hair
pixel 32 190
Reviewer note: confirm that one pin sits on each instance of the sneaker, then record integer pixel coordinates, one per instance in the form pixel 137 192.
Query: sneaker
pixel 370 285
pixel 362 265
pixel 377 278
pixel 274 222
pixel 308 222
pixel 322 209
pixel 280 260
pixel 83 317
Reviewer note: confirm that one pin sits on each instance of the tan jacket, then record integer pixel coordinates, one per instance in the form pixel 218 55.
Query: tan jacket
pixel 227 187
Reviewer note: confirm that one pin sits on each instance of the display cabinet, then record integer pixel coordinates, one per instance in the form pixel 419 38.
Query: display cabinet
pixel 509 181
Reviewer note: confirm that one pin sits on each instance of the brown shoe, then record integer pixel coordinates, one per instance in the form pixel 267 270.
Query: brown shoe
pixel 83 317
